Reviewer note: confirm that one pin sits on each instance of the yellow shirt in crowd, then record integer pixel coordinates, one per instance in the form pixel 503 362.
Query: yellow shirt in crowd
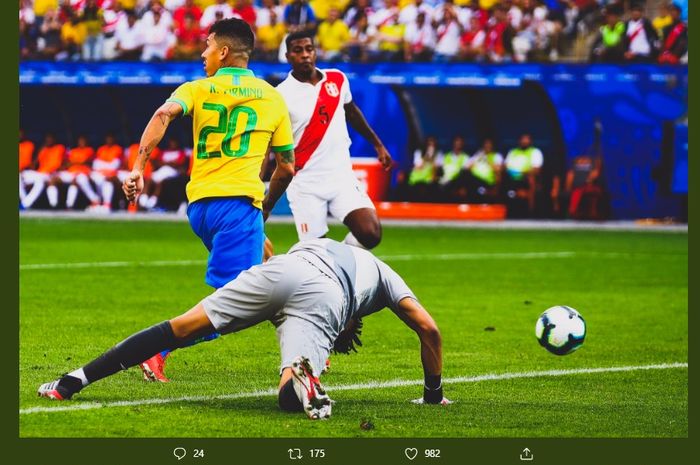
pixel 41 6
pixel 332 37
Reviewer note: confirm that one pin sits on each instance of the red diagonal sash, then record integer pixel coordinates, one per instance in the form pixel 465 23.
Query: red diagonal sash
pixel 326 105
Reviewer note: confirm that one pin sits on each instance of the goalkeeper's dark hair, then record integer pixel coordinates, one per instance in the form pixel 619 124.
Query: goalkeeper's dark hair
pixel 236 31
pixel 305 34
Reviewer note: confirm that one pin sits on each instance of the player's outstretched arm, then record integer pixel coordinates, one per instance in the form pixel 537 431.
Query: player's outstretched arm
pixel 418 319
pixel 357 121
pixel 281 177
pixel 151 137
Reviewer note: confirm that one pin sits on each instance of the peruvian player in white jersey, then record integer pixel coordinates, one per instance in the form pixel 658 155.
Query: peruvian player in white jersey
pixel 320 106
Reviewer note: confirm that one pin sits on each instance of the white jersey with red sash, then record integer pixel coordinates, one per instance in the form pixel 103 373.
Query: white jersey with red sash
pixel 321 139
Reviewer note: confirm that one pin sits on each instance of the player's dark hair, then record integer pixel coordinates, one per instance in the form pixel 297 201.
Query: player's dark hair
pixel 237 31
pixel 306 34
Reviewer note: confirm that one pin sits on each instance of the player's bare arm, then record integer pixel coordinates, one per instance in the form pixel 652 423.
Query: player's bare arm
pixel 357 121
pixel 281 177
pixel 151 137
pixel 419 320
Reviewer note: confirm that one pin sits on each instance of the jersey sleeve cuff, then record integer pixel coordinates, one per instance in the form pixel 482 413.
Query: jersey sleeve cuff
pixel 179 102
pixel 283 148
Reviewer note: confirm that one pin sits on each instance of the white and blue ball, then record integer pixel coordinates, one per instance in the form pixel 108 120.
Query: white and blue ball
pixel 561 330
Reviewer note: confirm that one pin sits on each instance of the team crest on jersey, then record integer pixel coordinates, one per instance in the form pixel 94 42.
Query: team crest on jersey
pixel 332 89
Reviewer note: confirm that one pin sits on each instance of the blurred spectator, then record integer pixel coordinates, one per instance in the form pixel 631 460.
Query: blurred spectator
pixel 582 189
pixel 332 36
pixel 27 30
pixel 49 43
pixel 641 42
pixel 209 15
pixel 113 14
pixel 189 39
pixel 419 39
pixel 362 41
pixel 73 34
pixel 389 32
pixel 130 38
pixel 41 8
pixel 609 45
pixel 675 39
pixel 451 167
pixel 323 7
pixel 92 18
pixel 171 164
pixel 522 169
pixel 585 13
pixel 49 159
pixel 449 31
pixel 298 15
pixel 158 39
pixel 265 12
pixel 357 9
pixel 75 171
pixel 421 180
pixel 26 162
pixel 245 11
pixel 471 44
pixel 498 45
pixel 156 7
pixel 662 20
pixel 462 15
pixel 187 8
pixel 105 166
pixel 484 173
pixel 410 12
pixel 269 36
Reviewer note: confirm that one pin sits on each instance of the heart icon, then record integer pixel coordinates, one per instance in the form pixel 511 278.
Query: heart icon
pixel 411 452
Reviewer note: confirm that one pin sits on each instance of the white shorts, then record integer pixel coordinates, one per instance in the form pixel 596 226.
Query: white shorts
pixel 31 177
pixel 67 177
pixel 163 173
pixel 311 202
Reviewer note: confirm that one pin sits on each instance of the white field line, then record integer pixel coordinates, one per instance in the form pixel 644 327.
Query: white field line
pixel 355 387
pixel 388 258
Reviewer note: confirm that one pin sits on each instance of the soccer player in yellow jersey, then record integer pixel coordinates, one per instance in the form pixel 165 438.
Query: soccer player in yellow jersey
pixel 236 118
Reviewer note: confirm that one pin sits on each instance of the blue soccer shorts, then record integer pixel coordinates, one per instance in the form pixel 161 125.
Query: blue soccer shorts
pixel 232 230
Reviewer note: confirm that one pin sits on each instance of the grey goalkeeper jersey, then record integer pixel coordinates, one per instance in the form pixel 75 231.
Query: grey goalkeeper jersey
pixel 368 283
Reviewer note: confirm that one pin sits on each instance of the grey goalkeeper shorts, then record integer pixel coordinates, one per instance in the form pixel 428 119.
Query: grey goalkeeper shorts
pixel 304 304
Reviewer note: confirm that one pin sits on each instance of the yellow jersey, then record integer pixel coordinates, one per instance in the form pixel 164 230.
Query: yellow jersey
pixel 236 118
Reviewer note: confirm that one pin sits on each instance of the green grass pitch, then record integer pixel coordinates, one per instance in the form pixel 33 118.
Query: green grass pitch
pixel 485 288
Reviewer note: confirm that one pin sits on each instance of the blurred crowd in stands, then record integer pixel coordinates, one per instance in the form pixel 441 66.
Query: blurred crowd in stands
pixel 363 30
pixel 516 180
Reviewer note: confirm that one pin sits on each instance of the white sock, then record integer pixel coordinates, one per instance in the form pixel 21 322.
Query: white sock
pixel 71 195
pixel 107 192
pixel 143 200
pixel 352 240
pixel 84 183
pixel 52 194
pixel 22 190
pixel 80 374
pixel 33 194
pixel 152 202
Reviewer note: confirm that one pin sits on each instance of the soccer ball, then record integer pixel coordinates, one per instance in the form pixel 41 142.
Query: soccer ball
pixel 561 330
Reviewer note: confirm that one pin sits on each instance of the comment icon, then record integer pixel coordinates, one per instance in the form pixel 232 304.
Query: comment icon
pixel 179 453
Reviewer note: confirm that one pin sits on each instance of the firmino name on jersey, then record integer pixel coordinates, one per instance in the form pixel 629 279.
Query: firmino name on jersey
pixel 238 91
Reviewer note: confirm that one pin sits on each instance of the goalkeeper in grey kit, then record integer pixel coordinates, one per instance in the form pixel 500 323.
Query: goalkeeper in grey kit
pixel 316 296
